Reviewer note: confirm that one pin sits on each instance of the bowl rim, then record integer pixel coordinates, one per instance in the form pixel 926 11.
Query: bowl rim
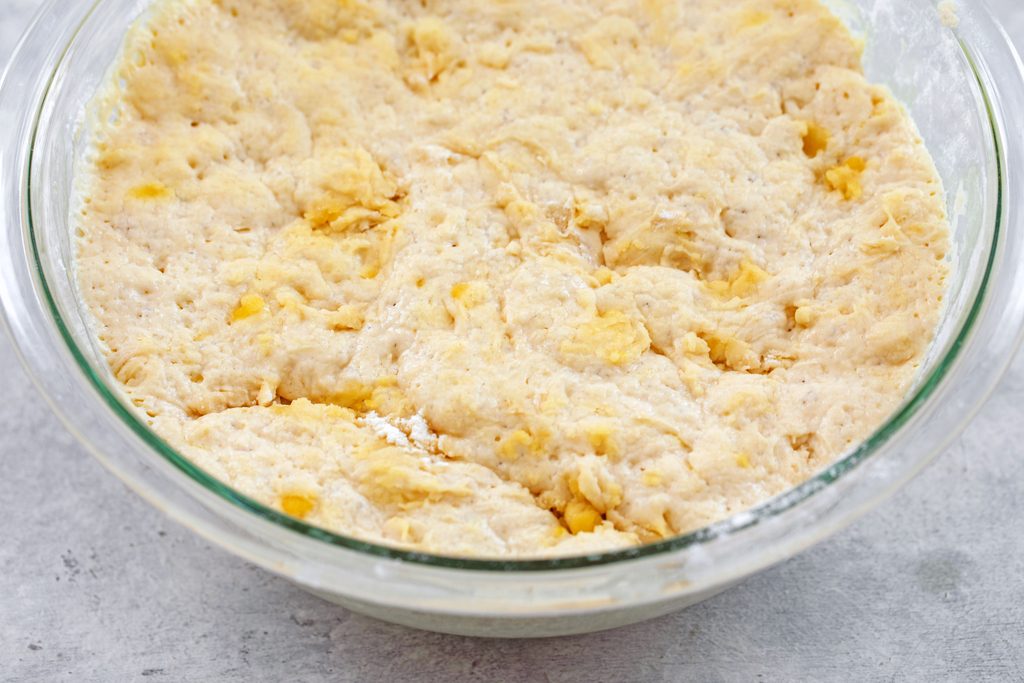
pixel 848 462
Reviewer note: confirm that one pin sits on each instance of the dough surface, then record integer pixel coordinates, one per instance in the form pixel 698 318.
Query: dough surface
pixel 508 278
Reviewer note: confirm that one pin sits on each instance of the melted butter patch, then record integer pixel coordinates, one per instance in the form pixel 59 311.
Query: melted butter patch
pixel 346 317
pixel 612 336
pixel 435 48
pixel 815 139
pixel 359 195
pixel 469 294
pixel 248 306
pixel 394 476
pixel 352 394
pixel 602 440
pixel 743 282
pixel 515 445
pixel 652 478
pixel 298 504
pixel 382 395
pixel 604 276
pixel 150 191
pixel 580 516
pixel 692 345
pixel 520 442
pixel 730 353
pixel 845 178
pixel 751 17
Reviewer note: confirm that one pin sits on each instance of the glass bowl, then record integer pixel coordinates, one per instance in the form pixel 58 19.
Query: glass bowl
pixel 961 84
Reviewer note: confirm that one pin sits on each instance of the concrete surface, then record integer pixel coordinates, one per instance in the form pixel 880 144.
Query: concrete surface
pixel 96 586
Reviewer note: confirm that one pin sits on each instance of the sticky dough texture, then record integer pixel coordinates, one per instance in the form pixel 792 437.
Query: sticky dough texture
pixel 508 278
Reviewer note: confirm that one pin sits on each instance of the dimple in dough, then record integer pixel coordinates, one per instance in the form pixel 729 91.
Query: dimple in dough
pixel 509 278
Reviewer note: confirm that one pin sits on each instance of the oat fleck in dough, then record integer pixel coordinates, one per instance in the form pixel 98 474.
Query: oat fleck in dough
pixel 508 278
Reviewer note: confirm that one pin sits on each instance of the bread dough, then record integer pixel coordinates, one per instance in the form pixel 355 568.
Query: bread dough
pixel 508 278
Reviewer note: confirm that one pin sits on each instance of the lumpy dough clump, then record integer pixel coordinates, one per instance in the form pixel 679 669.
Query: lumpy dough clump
pixel 507 278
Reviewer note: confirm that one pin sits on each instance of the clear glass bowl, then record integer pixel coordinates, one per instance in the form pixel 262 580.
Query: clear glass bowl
pixel 963 87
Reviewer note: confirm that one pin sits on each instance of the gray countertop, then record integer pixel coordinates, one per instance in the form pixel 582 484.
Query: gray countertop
pixel 96 585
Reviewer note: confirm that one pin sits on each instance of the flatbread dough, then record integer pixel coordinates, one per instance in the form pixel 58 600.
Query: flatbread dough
pixel 508 278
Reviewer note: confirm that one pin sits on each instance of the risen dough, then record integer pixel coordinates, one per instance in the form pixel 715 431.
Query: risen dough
pixel 508 277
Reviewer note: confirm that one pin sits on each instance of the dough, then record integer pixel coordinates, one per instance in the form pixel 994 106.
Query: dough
pixel 508 278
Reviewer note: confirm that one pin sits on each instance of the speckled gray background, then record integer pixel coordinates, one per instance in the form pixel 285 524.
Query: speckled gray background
pixel 96 586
